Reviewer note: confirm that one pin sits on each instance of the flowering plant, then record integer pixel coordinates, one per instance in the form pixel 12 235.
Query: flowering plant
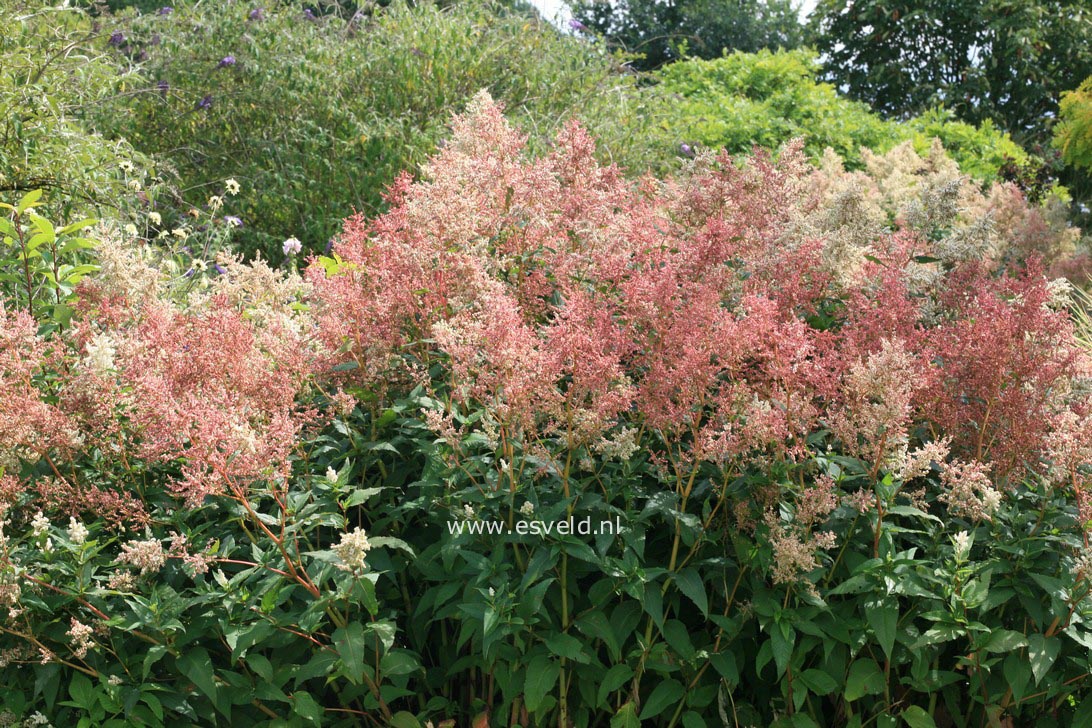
pixel 850 464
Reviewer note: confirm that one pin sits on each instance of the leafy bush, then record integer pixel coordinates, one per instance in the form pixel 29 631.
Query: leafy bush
pixel 768 98
pixel 848 469
pixel 356 99
pixel 53 72
pixel 1073 133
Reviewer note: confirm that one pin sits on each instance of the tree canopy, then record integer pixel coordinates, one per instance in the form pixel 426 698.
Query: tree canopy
pixel 1005 60
pixel 663 32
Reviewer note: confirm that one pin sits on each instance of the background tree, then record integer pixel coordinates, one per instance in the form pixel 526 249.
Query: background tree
pixel 665 31
pixel 1073 139
pixel 1073 134
pixel 1005 60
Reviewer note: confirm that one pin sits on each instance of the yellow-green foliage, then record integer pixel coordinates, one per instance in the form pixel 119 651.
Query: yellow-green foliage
pixel 1073 135
pixel 766 98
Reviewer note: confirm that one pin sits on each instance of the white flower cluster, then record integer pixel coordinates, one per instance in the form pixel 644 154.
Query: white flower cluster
pixel 81 638
pixel 101 352
pixel 77 532
pixel 352 550
pixel 147 555
pixel 39 524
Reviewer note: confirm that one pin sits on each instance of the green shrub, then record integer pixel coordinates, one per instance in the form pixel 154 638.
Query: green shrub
pixel 53 72
pixel 316 116
pixel 766 98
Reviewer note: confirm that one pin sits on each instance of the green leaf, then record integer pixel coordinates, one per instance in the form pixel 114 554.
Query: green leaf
pixel 307 707
pixel 653 603
pixel 153 655
pixel 626 717
pixel 865 678
pixel 82 692
pixel 28 200
pixel 596 626
pixel 1082 716
pixel 782 644
pixel 78 225
pixel 196 665
pixel 349 643
pixel 690 719
pixel 1005 640
pixel 668 693
pixel 542 675
pixel 615 678
pixel 678 639
pixel 261 666
pixel 404 720
pixel 976 591
pixel 565 645
pixel 1017 674
pixel 903 510
pixel 1042 652
pixel 489 621
pixel 384 631
pixel 883 619
pixel 691 585
pixel 725 664
pixel 819 682
pixel 916 717
pixel 391 542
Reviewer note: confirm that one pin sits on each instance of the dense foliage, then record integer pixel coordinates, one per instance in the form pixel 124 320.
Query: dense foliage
pixel 1073 133
pixel 315 114
pixel 663 32
pixel 841 423
pixel 1005 60
pixel 53 72
pixel 768 98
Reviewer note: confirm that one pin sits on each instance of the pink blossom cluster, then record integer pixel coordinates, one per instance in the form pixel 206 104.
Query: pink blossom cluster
pixel 706 311
pixel 202 389
pixel 218 394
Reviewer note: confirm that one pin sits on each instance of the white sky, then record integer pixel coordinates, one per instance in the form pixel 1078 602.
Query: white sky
pixel 558 11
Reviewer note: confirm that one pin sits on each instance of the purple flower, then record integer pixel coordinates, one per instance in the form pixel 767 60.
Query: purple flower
pixel 292 246
pixel 117 39
pixel 577 25
pixel 233 221
pixel 205 102
pixel 329 246
pixel 226 61
pixel 165 10
pixel 163 87
pixel 219 269
pixel 256 14
pixel 308 14
pixel 686 149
